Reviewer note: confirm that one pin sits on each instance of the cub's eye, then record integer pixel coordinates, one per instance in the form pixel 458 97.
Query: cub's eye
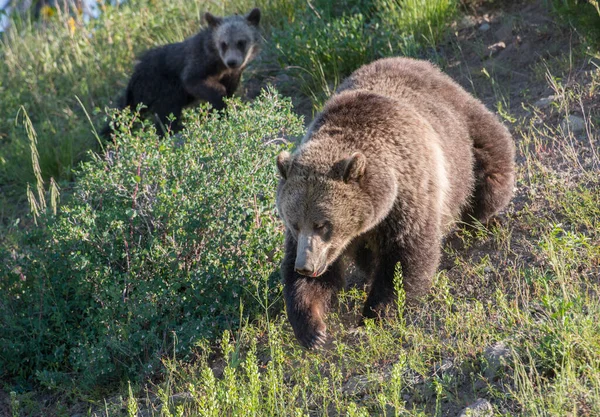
pixel 295 227
pixel 241 44
pixel 223 45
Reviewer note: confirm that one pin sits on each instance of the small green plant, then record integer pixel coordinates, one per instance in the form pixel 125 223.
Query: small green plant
pixel 132 405
pixel 14 404
pixel 400 293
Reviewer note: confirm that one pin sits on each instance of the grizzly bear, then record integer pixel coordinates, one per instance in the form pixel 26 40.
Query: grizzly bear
pixel 397 155
pixel 204 67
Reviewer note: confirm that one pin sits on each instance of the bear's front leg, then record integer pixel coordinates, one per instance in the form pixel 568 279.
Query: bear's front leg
pixel 203 87
pixel 231 82
pixel 307 299
pixel 210 91
pixel 419 258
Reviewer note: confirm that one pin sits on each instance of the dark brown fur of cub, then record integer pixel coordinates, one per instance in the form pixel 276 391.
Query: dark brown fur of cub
pixel 204 67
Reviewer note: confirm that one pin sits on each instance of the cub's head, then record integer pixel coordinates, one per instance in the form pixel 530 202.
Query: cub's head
pixel 235 37
pixel 325 208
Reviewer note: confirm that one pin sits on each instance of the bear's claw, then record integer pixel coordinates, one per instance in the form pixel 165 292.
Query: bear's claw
pixel 313 340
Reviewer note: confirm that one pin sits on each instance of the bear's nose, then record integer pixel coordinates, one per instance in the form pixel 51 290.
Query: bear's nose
pixel 305 271
pixel 232 63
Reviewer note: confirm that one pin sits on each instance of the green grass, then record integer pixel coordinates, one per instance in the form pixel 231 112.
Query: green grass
pixel 583 14
pixel 326 47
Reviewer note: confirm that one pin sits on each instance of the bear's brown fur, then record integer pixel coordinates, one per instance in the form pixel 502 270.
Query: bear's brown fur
pixel 397 155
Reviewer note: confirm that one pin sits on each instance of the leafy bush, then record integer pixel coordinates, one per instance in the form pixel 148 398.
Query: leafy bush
pixel 161 244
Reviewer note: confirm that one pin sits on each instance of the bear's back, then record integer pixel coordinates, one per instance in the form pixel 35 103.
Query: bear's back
pixel 411 81
pixel 422 93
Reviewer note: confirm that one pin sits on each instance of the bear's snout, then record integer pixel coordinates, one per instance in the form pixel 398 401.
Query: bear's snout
pixel 232 63
pixel 308 271
pixel 309 260
pixel 303 265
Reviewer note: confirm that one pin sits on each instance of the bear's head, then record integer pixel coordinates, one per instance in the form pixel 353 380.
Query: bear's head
pixel 235 37
pixel 327 205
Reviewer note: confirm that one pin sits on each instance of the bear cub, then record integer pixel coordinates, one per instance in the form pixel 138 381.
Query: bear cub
pixel 204 67
pixel 397 155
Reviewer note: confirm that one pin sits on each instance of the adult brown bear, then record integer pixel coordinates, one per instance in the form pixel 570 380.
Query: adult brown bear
pixel 396 156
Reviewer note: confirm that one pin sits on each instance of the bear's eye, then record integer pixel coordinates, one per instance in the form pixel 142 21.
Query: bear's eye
pixel 241 44
pixel 295 227
pixel 224 46
pixel 320 227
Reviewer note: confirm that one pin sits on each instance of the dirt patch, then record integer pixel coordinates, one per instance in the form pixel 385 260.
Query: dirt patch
pixel 502 54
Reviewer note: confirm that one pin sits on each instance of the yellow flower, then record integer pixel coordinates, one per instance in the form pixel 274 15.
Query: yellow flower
pixel 47 12
pixel 72 25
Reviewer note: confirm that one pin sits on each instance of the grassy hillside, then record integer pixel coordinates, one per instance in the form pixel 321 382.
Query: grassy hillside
pixel 144 280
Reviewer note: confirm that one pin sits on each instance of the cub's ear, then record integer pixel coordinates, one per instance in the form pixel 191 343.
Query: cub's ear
pixel 354 167
pixel 284 160
pixel 212 20
pixel 253 17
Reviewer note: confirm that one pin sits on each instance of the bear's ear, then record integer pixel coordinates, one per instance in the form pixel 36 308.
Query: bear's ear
pixel 212 20
pixel 354 167
pixel 253 17
pixel 284 160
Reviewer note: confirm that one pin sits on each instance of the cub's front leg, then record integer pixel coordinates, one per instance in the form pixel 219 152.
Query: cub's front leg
pixel 231 81
pixel 307 299
pixel 205 87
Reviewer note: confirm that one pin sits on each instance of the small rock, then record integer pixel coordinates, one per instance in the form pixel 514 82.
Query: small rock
pixel 497 47
pixel 467 22
pixel 480 408
pixel 359 385
pixel 181 398
pixel 496 357
pixel 444 367
pixel 573 123
pixel 484 27
pixel 545 101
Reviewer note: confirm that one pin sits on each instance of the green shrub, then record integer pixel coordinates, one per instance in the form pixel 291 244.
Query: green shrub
pixel 583 14
pixel 161 243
